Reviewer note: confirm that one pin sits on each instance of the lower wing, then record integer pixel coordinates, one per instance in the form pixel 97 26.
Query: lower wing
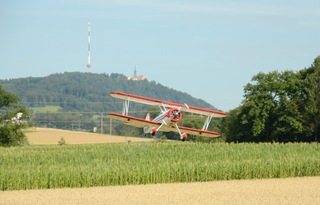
pixel 133 121
pixel 194 131
pixel 139 122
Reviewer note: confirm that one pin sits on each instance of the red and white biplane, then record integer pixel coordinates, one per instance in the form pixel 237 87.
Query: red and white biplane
pixel 167 120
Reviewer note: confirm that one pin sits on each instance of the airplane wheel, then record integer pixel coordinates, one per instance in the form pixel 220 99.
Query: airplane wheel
pixel 154 131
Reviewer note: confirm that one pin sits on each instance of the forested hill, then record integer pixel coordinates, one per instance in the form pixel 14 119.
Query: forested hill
pixel 75 91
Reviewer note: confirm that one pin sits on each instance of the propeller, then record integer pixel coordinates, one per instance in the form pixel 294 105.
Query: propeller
pixel 175 115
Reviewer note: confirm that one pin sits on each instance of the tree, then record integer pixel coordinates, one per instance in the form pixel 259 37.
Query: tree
pixel 278 107
pixel 310 100
pixel 270 111
pixel 235 130
pixel 260 107
pixel 12 117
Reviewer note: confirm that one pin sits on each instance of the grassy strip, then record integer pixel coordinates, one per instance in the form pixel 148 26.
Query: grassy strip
pixel 39 167
pixel 47 108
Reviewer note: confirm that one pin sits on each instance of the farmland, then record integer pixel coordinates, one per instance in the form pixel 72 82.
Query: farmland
pixel 303 190
pixel 48 136
pixel 53 166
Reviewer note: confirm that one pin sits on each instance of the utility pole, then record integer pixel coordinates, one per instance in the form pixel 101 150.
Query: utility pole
pixel 101 117
pixel 110 126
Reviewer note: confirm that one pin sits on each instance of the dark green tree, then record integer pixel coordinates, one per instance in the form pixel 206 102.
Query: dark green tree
pixel 260 105
pixel 12 118
pixel 310 101
pixel 278 107
pixel 235 131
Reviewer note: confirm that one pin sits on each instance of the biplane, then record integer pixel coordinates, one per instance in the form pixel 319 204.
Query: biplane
pixel 168 119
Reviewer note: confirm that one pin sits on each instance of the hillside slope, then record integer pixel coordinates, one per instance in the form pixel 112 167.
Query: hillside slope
pixel 80 101
pixel 89 92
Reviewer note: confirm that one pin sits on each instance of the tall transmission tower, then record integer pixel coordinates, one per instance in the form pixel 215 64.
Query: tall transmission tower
pixel 135 72
pixel 89 63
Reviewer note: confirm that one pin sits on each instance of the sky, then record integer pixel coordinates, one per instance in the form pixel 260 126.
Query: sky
pixel 208 49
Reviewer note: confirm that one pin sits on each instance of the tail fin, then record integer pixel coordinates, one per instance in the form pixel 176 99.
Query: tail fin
pixel 148 117
pixel 147 129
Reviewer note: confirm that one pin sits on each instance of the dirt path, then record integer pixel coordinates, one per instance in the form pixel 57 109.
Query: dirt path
pixel 267 191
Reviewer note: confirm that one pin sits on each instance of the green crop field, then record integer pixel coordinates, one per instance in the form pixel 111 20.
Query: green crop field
pixel 48 108
pixel 42 167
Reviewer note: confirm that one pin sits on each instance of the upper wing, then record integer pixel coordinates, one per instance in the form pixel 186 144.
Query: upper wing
pixel 139 122
pixel 156 102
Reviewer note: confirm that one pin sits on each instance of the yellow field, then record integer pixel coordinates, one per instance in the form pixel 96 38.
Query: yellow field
pixel 304 190
pixel 49 136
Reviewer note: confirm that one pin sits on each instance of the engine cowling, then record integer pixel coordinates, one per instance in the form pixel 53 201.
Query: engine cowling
pixel 175 115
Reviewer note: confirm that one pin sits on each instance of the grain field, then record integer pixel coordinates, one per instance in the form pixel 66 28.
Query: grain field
pixel 47 136
pixel 305 190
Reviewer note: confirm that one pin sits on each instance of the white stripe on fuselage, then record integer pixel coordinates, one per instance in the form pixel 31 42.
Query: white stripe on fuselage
pixel 161 117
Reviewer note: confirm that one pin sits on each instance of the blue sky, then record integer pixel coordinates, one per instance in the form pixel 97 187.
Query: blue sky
pixel 209 49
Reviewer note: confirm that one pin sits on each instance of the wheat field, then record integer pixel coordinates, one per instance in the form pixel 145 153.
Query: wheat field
pixel 50 136
pixel 305 190
pixel 299 190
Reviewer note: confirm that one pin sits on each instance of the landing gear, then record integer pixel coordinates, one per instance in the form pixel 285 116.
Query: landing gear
pixel 154 131
pixel 184 136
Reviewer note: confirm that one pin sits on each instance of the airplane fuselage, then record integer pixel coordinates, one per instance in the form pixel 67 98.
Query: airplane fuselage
pixel 168 119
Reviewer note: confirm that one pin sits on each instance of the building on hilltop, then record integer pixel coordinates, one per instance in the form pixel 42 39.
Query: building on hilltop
pixel 135 76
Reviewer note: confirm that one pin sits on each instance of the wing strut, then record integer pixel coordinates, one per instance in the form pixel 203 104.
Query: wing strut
pixel 125 109
pixel 207 122
pixel 162 107
pixel 181 136
pixel 163 123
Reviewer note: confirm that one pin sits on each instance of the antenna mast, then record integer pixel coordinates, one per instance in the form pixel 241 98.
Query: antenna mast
pixel 89 64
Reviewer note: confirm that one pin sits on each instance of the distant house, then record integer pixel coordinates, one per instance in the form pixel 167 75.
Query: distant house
pixel 139 77
pixel 136 77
